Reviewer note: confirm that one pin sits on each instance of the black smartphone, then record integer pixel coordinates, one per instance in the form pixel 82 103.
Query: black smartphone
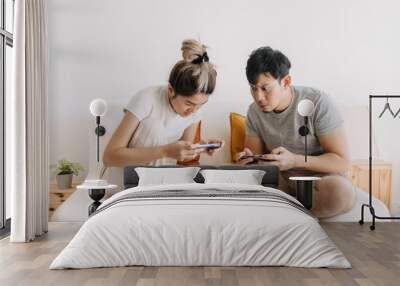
pixel 254 157
pixel 208 146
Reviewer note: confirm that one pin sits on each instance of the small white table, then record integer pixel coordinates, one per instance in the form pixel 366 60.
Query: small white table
pixel 96 193
pixel 304 190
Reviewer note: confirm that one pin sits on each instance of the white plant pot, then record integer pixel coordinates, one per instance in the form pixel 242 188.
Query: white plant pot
pixel 64 181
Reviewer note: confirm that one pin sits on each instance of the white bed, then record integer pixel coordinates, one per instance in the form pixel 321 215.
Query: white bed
pixel 75 209
pixel 190 230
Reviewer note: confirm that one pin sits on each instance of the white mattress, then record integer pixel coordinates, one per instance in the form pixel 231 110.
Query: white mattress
pixel 236 229
pixel 75 209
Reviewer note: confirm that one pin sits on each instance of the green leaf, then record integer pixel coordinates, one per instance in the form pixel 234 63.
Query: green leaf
pixel 67 167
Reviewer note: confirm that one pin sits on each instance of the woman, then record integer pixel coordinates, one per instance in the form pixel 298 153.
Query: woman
pixel 160 122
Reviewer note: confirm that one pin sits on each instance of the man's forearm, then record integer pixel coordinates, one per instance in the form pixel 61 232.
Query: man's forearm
pixel 325 163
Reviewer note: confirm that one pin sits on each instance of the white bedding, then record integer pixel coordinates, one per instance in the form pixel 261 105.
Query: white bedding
pixel 200 231
pixel 75 209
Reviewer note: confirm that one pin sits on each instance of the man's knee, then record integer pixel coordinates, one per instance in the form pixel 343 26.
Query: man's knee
pixel 334 195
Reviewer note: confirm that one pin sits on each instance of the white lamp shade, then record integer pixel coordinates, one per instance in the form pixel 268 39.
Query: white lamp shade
pixel 305 107
pixel 98 107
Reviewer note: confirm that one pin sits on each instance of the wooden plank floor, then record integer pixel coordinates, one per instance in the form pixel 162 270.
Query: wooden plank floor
pixel 375 257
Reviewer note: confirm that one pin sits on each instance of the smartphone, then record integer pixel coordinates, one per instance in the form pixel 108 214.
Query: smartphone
pixel 208 146
pixel 254 157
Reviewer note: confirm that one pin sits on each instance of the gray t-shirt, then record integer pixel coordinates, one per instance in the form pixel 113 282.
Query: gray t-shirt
pixel 282 129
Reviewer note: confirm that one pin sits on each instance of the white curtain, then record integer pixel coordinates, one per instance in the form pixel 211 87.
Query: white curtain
pixel 29 171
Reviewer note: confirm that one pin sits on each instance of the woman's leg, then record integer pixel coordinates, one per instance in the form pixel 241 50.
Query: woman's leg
pixel 333 195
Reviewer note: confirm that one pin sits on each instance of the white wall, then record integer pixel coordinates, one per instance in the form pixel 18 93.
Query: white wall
pixel 110 49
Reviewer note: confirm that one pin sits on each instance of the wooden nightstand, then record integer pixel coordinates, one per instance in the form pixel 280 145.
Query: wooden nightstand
pixel 381 178
pixel 58 196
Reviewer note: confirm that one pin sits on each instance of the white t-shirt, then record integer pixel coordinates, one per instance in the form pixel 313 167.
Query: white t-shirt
pixel 159 123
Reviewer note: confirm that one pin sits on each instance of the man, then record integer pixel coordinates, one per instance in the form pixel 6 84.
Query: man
pixel 272 129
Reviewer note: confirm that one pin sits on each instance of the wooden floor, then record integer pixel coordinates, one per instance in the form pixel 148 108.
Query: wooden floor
pixel 374 255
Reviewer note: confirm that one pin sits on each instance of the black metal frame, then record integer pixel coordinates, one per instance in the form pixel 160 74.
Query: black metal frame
pixel 369 205
pixel 6 39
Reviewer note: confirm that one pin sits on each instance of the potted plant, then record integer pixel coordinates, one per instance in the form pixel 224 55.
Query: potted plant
pixel 64 171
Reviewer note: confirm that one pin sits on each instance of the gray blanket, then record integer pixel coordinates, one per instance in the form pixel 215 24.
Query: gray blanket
pixel 205 194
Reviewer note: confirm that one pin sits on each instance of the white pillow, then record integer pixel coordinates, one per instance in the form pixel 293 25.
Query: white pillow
pixel 163 176
pixel 249 177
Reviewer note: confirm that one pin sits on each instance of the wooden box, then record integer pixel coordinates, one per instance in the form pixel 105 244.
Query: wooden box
pixel 381 178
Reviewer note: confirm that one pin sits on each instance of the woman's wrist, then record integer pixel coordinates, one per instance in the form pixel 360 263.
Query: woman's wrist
pixel 163 151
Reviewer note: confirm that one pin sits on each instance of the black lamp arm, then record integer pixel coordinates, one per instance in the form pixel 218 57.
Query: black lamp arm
pixel 305 138
pixel 100 131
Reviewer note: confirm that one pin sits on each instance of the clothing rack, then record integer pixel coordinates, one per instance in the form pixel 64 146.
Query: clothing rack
pixel 369 205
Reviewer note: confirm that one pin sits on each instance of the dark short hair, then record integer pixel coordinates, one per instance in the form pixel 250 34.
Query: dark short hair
pixel 265 60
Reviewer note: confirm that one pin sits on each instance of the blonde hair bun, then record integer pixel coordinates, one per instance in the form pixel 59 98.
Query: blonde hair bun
pixel 191 49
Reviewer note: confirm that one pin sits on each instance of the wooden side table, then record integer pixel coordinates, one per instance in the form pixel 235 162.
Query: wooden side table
pixel 58 196
pixel 381 178
pixel 304 190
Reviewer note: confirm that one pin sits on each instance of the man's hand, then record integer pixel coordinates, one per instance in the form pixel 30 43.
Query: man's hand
pixel 245 152
pixel 282 158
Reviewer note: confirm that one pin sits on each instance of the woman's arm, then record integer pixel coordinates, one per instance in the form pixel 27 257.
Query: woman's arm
pixel 118 154
pixel 190 132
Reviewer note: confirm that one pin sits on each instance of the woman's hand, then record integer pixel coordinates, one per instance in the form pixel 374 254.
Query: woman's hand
pixel 245 152
pixel 209 152
pixel 180 151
